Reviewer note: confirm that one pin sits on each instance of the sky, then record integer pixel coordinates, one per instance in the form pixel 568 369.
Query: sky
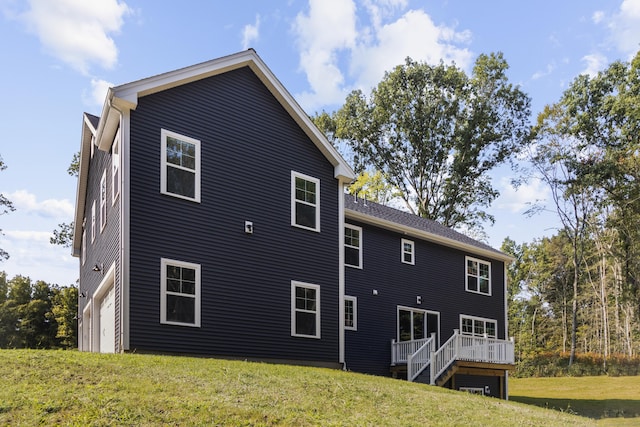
pixel 60 56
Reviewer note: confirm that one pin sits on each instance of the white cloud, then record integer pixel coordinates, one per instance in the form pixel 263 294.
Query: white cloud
pixel 595 62
pixel 329 28
pixel 250 33
pixel 539 74
pixel 78 32
pixel 518 200
pixel 49 208
pixel 336 36
pixel 32 255
pixel 98 92
pixel 597 16
pixel 624 27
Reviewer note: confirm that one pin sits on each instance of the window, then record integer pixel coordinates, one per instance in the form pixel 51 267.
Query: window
pixel 352 246
pixel 416 324
pixel 350 313
pixel 478 276
pixel 408 251
pixel 93 222
pixel 305 310
pixel 103 200
pixel 180 173
pixel 84 246
pixel 305 201
pixel 179 293
pixel 478 326
pixel 115 168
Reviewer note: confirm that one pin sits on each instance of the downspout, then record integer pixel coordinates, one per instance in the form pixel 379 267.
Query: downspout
pixel 341 275
pixel 506 326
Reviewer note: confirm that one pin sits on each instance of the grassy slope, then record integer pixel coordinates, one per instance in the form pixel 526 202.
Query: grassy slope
pixel 616 399
pixel 73 388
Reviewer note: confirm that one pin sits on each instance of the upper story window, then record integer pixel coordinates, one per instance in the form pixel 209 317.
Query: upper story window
pixel 408 251
pixel 350 313
pixel 115 168
pixel 352 246
pixel 305 310
pixel 305 201
pixel 478 326
pixel 478 276
pixel 179 293
pixel 93 221
pixel 103 201
pixel 180 166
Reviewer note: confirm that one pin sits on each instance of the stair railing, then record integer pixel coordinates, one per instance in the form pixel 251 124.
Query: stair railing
pixel 443 357
pixel 418 361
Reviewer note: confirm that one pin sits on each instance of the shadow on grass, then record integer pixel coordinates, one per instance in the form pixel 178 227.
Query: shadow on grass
pixel 591 408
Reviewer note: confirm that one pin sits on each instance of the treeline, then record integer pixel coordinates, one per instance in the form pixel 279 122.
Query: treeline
pixel 37 315
pixel 541 310
pixel 579 290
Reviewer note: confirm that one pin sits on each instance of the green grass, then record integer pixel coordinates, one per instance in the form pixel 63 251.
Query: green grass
pixel 40 387
pixel 612 400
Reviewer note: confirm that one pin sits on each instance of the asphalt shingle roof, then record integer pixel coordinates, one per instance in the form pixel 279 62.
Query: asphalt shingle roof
pixel 408 220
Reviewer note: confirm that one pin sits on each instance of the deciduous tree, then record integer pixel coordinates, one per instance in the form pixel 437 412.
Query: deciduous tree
pixel 436 133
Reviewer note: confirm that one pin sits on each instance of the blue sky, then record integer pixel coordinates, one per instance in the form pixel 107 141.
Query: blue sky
pixel 59 56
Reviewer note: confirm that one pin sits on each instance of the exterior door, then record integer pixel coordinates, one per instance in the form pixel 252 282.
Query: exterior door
pixel 108 323
pixel 416 324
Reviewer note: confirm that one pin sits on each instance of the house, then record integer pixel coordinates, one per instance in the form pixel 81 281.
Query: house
pixel 211 220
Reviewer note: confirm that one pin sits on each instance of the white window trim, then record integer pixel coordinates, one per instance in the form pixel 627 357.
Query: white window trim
pixel 483 319
pixel 295 175
pixel 103 201
pixel 413 251
pixel 354 300
pixel 163 164
pixel 115 168
pixel 466 276
pixel 93 222
pixel 294 285
pixel 355 227
pixel 164 262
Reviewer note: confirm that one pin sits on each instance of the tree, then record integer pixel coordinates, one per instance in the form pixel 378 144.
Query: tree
pixel 374 187
pixel 65 311
pixel 6 206
pixel 588 153
pixel 435 134
pixel 63 235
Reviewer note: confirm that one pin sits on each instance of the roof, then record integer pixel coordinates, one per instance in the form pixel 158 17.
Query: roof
pixel 94 120
pixel 416 226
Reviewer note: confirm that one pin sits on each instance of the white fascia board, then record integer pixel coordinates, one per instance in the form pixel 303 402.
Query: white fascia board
pixel 425 235
pixel 87 133
pixel 126 96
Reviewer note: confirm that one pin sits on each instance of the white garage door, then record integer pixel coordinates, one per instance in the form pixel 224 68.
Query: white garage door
pixel 108 323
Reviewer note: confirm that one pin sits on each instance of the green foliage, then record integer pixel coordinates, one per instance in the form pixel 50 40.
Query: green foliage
pixel 63 235
pixel 36 315
pixel 435 134
pixel 374 187
pixel 6 206
pixel 556 364
pixel 76 388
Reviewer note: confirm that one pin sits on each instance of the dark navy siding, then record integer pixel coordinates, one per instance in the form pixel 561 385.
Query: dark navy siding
pixel 438 276
pixel 249 145
pixel 104 250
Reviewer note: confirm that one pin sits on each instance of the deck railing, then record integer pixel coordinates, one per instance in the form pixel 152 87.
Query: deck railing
pixel 401 350
pixel 470 348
